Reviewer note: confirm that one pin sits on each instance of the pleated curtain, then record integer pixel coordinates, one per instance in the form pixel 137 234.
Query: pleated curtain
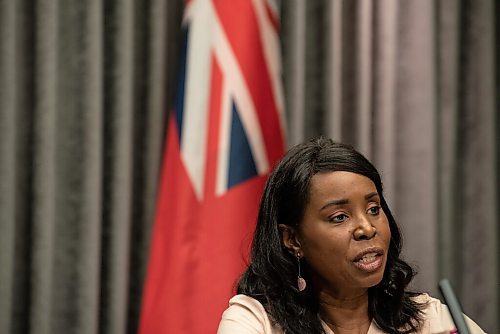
pixel 414 86
pixel 85 92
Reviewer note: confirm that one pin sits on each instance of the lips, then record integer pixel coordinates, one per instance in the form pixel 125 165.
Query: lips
pixel 370 259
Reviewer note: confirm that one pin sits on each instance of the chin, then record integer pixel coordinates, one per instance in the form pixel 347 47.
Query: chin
pixel 370 282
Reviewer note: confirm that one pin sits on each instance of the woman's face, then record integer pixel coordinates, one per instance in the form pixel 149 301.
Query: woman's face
pixel 344 236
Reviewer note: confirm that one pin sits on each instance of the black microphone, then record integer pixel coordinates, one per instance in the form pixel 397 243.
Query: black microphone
pixel 454 306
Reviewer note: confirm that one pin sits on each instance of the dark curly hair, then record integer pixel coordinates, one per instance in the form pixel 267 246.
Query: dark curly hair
pixel 271 274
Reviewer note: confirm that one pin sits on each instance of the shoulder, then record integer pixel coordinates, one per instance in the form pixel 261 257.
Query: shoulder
pixel 245 315
pixel 437 318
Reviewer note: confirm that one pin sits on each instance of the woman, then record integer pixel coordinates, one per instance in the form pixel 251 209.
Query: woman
pixel 325 254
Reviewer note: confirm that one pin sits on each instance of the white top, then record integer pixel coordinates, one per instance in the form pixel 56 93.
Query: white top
pixel 246 315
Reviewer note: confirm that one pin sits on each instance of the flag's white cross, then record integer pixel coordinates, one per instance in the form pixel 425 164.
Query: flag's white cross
pixel 207 39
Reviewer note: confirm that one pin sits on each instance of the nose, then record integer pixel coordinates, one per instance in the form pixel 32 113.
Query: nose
pixel 364 229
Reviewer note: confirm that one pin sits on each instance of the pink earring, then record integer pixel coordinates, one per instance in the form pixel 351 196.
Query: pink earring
pixel 301 282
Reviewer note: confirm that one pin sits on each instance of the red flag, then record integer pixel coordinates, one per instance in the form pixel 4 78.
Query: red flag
pixel 224 136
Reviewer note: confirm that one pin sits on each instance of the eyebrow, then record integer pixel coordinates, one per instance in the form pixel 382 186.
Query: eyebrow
pixel 344 201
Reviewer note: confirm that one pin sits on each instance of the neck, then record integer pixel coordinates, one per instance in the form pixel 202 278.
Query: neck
pixel 345 313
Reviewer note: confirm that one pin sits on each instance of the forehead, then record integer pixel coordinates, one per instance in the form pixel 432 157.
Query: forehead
pixel 340 184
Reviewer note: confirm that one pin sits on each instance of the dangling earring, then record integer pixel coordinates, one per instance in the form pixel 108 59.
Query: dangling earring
pixel 301 282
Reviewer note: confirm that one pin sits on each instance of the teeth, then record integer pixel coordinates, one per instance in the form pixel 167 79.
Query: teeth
pixel 368 257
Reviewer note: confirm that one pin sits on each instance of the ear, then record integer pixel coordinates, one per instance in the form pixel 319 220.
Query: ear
pixel 290 238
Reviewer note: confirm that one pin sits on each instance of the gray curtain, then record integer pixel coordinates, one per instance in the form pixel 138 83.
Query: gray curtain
pixel 85 89
pixel 414 86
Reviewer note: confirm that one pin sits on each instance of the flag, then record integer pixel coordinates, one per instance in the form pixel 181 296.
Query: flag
pixel 224 135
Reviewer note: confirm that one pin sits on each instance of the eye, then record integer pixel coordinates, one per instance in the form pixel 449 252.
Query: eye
pixel 374 210
pixel 338 218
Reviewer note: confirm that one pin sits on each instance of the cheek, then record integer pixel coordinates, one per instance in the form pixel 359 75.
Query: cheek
pixel 385 232
pixel 327 250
